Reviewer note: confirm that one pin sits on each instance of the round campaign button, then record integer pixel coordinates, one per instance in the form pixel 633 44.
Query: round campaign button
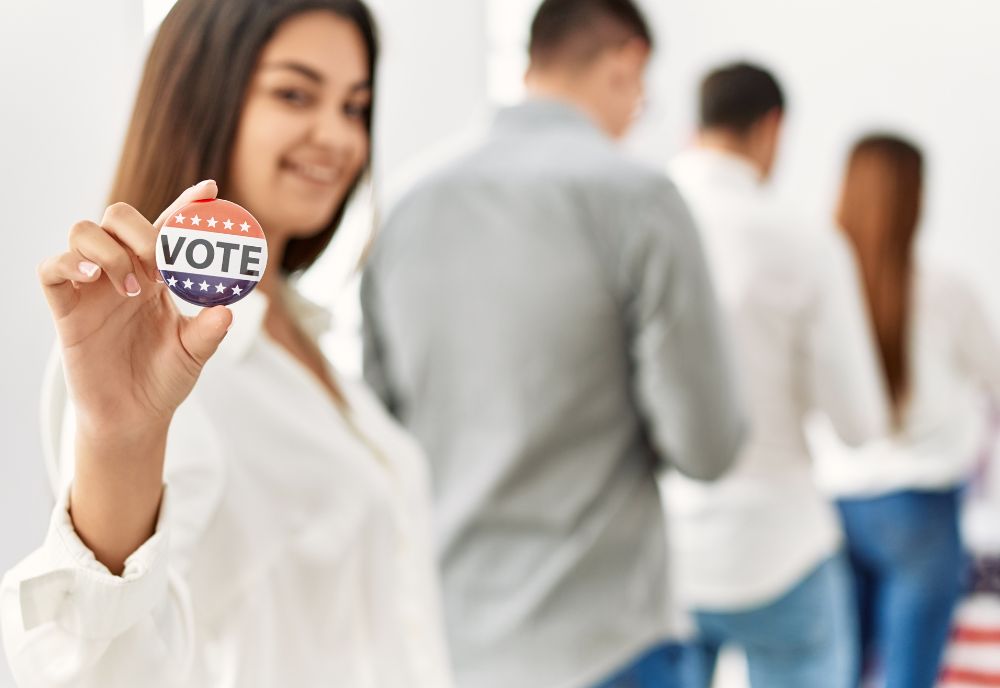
pixel 211 252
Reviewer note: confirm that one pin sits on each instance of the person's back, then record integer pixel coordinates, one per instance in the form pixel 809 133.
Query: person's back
pixel 952 350
pixel 757 553
pixel 539 315
pixel 801 344
pixel 900 495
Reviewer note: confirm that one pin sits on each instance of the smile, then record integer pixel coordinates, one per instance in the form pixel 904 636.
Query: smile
pixel 324 175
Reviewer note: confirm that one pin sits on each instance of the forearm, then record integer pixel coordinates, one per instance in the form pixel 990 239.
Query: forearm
pixel 116 491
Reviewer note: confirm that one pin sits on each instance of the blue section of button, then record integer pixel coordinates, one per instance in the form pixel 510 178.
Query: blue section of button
pixel 203 290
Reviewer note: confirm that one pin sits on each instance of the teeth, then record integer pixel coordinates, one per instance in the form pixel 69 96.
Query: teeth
pixel 318 173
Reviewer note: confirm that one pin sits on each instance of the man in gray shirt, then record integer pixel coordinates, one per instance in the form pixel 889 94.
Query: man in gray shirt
pixel 539 315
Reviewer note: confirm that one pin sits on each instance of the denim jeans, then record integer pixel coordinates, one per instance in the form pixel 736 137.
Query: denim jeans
pixel 805 638
pixel 908 566
pixel 665 666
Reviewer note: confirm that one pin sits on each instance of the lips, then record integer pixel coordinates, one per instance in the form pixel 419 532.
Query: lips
pixel 315 173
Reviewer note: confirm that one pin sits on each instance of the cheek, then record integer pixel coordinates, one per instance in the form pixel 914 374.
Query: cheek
pixel 264 137
pixel 358 152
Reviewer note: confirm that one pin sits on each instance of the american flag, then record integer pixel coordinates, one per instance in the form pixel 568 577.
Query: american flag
pixel 972 659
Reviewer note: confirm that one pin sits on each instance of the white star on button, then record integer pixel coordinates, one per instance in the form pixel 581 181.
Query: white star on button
pixel 196 221
pixel 220 288
pixel 244 227
pixel 212 222
pixel 179 217
pixel 228 224
pixel 172 281
pixel 203 285
pixel 236 289
pixel 188 284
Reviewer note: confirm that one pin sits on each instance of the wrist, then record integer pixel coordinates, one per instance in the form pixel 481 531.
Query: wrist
pixel 120 434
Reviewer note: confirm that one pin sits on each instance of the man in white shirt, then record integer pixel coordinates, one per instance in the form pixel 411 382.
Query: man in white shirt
pixel 757 554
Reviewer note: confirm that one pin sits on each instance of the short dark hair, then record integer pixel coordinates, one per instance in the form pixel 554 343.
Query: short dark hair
pixel 577 31
pixel 736 96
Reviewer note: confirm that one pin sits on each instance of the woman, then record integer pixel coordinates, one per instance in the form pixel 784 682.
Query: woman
pixel 899 496
pixel 290 546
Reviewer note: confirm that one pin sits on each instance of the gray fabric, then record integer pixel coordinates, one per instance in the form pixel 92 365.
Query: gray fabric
pixel 539 315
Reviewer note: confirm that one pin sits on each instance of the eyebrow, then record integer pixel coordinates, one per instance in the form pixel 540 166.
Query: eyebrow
pixel 313 75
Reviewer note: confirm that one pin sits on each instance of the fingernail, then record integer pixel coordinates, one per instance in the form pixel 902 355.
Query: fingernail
pixel 88 268
pixel 132 287
pixel 202 184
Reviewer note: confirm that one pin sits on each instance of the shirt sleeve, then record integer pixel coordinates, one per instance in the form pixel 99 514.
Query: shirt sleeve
pixel 845 379
pixel 977 340
pixel 683 377
pixel 374 364
pixel 67 621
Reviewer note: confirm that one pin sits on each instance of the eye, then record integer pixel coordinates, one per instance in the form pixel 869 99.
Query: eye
pixel 294 96
pixel 357 111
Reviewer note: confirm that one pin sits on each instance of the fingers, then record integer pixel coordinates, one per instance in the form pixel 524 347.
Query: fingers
pixel 202 335
pixel 201 191
pixel 97 246
pixel 128 225
pixel 122 243
pixel 57 275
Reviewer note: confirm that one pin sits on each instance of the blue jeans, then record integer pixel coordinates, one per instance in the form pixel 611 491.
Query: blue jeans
pixel 909 567
pixel 662 667
pixel 807 638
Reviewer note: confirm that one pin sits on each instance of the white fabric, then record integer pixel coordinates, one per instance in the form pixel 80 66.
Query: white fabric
pixel 292 548
pixel 954 353
pixel 793 307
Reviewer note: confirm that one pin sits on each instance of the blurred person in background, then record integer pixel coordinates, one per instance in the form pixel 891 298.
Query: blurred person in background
pixel 279 535
pixel 899 495
pixel 539 315
pixel 758 554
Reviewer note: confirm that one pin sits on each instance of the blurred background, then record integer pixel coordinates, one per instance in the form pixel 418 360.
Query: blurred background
pixel 68 70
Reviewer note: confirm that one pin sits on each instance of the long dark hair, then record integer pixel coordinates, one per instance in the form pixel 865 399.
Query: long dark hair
pixel 879 212
pixel 188 107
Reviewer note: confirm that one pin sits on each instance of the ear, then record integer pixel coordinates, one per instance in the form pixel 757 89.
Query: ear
pixel 633 55
pixel 626 64
pixel 772 121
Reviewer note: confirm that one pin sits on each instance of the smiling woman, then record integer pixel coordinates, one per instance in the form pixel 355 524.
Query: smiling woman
pixel 317 68
pixel 294 548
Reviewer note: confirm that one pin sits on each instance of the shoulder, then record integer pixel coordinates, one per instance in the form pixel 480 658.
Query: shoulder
pixel 798 245
pixel 943 290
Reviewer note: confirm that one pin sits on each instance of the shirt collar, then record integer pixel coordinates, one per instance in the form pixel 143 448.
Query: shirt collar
pixel 248 319
pixel 538 112
pixel 717 166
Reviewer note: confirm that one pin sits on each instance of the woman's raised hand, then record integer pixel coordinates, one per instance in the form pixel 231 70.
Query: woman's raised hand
pixel 130 357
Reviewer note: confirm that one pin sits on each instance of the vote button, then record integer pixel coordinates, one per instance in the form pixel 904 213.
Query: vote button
pixel 211 252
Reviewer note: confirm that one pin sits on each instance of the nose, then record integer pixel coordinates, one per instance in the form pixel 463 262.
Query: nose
pixel 332 128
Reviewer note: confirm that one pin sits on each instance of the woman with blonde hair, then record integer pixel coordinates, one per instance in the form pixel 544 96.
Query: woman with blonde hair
pixel 899 496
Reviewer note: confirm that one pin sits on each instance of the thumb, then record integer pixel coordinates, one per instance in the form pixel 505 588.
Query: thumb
pixel 201 335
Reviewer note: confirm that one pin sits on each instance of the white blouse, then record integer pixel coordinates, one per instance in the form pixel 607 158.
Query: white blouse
pixel 293 548
pixel 954 358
